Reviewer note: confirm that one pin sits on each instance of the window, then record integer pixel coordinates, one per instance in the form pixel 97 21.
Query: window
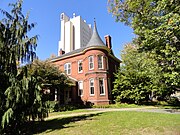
pixel 67 68
pixel 101 86
pixel 91 85
pixel 80 87
pixel 91 63
pixel 100 61
pixel 80 66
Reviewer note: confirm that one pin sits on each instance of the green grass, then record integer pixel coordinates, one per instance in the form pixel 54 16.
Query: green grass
pixel 112 123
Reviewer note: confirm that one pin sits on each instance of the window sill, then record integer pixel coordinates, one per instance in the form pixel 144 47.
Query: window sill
pixel 80 72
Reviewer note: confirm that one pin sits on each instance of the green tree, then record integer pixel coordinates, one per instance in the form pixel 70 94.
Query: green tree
pixel 138 78
pixel 157 26
pixel 18 92
pixel 49 78
pixel 48 75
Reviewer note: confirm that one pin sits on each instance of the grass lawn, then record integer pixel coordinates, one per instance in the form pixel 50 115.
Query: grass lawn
pixel 112 123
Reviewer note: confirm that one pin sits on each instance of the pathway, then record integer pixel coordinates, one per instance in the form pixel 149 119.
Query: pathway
pixel 101 110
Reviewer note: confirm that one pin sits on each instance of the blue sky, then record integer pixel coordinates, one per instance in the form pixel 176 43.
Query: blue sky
pixel 46 13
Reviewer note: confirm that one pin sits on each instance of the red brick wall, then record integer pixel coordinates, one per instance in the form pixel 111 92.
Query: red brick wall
pixel 105 73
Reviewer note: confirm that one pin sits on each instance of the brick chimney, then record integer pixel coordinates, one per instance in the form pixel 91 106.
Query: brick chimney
pixel 61 52
pixel 108 41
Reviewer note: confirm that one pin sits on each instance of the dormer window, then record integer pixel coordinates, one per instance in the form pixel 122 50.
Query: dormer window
pixel 67 68
pixel 91 62
pixel 80 66
pixel 100 62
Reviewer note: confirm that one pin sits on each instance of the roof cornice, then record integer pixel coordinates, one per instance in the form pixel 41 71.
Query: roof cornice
pixel 85 50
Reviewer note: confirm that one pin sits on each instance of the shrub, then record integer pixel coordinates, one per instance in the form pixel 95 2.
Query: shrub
pixel 173 101
pixel 53 106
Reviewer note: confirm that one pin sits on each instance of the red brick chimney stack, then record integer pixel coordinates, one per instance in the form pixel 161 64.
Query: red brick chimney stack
pixel 108 41
pixel 61 52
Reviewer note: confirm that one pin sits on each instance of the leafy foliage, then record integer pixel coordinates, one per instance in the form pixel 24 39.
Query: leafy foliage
pixel 156 24
pixel 48 75
pixel 22 87
pixel 49 78
pixel 138 77
pixel 19 93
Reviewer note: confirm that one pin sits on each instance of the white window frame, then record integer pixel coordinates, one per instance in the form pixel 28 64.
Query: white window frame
pixel 103 86
pixel 80 61
pixel 101 58
pixel 91 86
pixel 80 89
pixel 107 63
pixel 68 70
pixel 91 62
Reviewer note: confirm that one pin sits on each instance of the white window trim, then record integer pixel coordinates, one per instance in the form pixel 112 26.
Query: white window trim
pixel 82 88
pixel 107 63
pixel 103 87
pixel 78 66
pixel 92 62
pixel 101 61
pixel 90 86
pixel 67 68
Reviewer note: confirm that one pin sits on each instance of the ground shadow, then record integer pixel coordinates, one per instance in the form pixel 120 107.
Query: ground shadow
pixel 156 104
pixel 173 110
pixel 54 124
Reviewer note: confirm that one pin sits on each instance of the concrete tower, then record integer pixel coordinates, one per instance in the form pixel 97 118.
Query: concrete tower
pixel 75 33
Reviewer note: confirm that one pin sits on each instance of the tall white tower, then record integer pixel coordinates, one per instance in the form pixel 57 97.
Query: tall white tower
pixel 75 33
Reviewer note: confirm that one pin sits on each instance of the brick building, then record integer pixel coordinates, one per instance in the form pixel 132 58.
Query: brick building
pixel 92 69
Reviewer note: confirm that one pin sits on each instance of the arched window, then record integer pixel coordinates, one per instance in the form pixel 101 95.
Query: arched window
pixel 91 62
pixel 100 62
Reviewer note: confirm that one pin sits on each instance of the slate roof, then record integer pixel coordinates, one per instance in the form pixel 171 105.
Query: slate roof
pixel 95 41
pixel 95 38
pixel 70 53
